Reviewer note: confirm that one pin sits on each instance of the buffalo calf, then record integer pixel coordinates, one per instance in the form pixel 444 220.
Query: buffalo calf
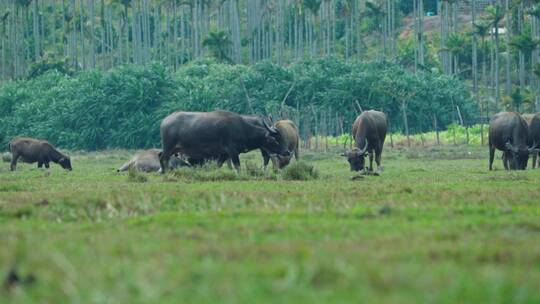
pixel 31 150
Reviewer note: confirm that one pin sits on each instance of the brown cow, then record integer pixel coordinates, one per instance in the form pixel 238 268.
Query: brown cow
pixel 369 133
pixel 289 134
pixel 32 150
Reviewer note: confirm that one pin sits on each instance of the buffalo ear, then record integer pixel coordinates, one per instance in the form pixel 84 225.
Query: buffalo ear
pixel 61 160
pixel 345 154
pixel 160 154
pixel 509 146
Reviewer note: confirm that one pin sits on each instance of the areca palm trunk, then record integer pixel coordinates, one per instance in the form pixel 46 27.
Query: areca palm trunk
pixel 508 80
pixel 496 80
pixel 474 51
pixel 534 60
pixel 521 55
pixel 92 34
pixel 37 43
pixel 81 25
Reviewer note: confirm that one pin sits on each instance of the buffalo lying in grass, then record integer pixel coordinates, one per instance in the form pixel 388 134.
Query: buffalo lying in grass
pixel 148 161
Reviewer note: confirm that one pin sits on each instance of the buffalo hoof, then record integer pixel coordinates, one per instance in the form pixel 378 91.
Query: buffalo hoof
pixel 357 177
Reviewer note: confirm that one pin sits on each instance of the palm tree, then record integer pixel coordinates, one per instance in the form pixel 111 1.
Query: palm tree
pixel 376 13
pixel 482 30
pixel 525 44
pixel 218 43
pixel 495 16
pixel 455 45
pixel 313 6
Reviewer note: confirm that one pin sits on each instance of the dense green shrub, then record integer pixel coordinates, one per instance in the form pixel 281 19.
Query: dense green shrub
pixel 300 171
pixel 122 108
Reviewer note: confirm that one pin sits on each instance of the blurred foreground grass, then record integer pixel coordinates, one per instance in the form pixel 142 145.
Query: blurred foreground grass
pixel 436 226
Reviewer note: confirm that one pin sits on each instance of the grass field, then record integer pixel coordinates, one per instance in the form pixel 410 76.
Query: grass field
pixel 435 227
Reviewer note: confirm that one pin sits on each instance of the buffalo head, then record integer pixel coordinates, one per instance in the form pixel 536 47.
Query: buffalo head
pixel 519 157
pixel 273 141
pixel 355 157
pixel 65 162
pixel 283 160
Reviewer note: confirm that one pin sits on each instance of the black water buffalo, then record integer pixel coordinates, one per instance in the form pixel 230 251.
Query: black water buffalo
pixel 508 132
pixel 289 133
pixel 215 135
pixel 369 133
pixel 148 161
pixel 31 150
pixel 534 137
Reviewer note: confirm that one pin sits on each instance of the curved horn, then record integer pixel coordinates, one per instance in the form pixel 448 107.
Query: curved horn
pixel 534 148
pixel 268 127
pixel 509 146
pixel 363 150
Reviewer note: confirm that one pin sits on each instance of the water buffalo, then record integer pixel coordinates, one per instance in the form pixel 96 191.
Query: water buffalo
pixel 255 120
pixel 289 133
pixel 534 137
pixel 148 161
pixel 33 150
pixel 215 135
pixel 508 132
pixel 369 133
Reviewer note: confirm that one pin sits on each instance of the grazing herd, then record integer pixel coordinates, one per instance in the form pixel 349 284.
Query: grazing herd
pixel 194 138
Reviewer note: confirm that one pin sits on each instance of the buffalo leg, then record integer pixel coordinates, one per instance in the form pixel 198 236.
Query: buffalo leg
pixel 221 159
pixel 296 156
pixel 13 165
pixel 46 165
pixel 535 156
pixel 40 164
pixel 164 160
pixel 378 159
pixel 491 156
pixel 236 162
pixel 371 162
pixel 505 160
pixel 266 159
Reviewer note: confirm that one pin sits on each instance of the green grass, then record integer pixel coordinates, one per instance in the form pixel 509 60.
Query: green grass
pixel 435 227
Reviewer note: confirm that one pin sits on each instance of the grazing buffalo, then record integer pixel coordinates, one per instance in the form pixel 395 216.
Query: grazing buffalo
pixel 534 137
pixel 148 161
pixel 289 133
pixel 255 120
pixel 33 150
pixel 508 132
pixel 369 133
pixel 215 135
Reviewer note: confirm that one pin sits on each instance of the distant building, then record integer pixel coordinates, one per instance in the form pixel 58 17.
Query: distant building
pixel 464 6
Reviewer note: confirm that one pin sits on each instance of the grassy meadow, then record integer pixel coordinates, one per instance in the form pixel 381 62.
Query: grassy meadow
pixel 436 226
